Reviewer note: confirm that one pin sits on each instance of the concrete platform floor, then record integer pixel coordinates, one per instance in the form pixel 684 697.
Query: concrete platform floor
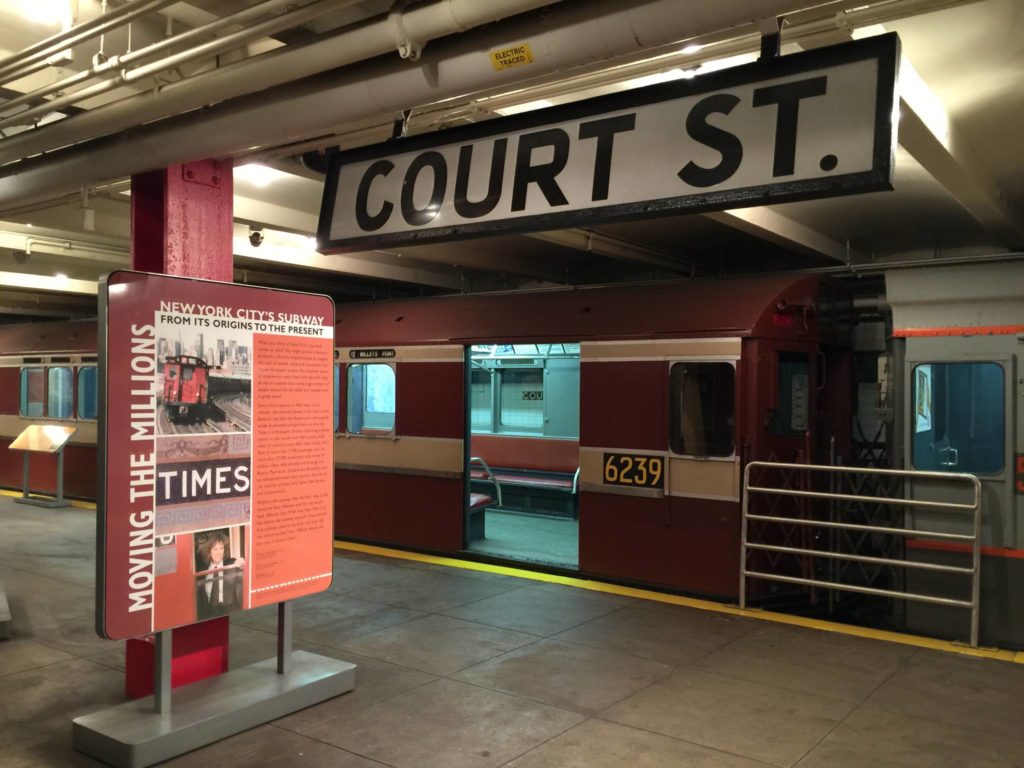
pixel 467 669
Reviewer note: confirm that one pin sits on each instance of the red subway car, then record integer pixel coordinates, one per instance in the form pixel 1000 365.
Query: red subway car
pixel 48 376
pixel 185 387
pixel 599 430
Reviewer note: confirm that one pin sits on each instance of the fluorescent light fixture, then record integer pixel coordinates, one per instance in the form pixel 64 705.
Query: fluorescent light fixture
pixel 258 175
pixel 729 61
pixel 871 30
pixel 691 49
pixel 529 106
pixel 49 12
pixel 657 77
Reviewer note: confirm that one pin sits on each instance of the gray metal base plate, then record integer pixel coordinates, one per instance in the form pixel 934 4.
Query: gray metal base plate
pixel 132 735
pixel 42 501
pixel 5 615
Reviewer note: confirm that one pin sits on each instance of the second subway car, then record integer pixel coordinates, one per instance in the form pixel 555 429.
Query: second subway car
pixel 602 430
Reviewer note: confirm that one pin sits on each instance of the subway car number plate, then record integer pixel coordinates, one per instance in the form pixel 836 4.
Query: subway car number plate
pixel 634 471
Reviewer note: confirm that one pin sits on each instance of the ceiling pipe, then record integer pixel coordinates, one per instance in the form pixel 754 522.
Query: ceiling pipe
pixel 422 23
pixel 114 68
pixel 58 59
pixel 76 35
pixel 799 27
pixel 566 36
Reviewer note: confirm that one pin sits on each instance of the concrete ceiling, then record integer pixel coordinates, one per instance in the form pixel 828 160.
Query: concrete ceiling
pixel 959 190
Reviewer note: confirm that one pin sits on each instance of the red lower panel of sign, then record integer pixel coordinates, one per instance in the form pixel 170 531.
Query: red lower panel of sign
pixel 198 651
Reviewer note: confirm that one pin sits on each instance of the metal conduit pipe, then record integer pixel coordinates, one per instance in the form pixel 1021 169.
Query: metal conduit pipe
pixel 61 57
pixel 565 36
pixel 112 68
pixel 90 29
pixel 374 38
pixel 141 54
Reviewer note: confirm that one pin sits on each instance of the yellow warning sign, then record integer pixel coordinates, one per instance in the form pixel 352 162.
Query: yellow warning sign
pixel 514 56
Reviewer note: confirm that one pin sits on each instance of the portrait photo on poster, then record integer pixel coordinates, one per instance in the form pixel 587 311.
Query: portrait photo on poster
pixel 219 569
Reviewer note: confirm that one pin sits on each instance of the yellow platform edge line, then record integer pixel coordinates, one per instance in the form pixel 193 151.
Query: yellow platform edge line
pixel 72 502
pixel 692 602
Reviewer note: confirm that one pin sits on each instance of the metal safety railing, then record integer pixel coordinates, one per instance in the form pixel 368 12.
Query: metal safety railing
pixel 972 539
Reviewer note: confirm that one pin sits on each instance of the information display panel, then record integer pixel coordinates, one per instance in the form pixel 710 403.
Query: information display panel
pixel 42 438
pixel 216 450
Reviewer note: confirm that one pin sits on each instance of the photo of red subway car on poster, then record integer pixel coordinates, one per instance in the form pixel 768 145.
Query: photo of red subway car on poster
pixel 206 381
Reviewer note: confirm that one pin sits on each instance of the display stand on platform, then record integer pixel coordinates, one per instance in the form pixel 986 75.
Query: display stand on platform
pixel 43 438
pixel 5 615
pixel 150 730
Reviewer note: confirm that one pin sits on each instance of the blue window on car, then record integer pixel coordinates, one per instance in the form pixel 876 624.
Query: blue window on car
pixel 337 397
pixel 371 398
pixel 958 415
pixel 87 393
pixel 33 392
pixel 60 392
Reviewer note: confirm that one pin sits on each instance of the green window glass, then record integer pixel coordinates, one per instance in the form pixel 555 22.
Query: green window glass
pixel 958 417
pixel 59 392
pixel 87 393
pixel 33 392
pixel 371 398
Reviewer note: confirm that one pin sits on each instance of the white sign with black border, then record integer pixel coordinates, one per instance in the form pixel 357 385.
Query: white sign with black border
pixel 807 125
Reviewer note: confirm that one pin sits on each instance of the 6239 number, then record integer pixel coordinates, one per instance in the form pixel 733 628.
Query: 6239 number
pixel 634 471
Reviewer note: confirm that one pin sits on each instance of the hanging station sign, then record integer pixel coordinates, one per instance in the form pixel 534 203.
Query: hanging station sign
pixel 806 125
pixel 216 450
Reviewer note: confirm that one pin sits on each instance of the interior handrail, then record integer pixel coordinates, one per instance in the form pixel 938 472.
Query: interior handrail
pixel 489 474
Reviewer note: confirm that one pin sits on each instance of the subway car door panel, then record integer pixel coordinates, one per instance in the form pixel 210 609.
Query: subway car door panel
pixel 959 405
pixel 399 448
pixel 626 529
pixel 647 513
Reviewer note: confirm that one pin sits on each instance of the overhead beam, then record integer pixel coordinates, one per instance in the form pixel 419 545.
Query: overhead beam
pixel 41 304
pixel 935 143
pixel 24 281
pixel 373 265
pixel 769 225
pixel 273 215
pixel 461 255
pixel 953 165
pixel 603 245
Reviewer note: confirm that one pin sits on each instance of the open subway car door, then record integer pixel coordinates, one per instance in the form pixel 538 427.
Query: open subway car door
pixel 399 451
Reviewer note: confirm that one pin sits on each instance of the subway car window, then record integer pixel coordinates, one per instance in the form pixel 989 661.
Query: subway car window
pixel 60 393
pixel 522 400
pixel 33 391
pixel 480 386
pixel 791 415
pixel 525 389
pixel 703 410
pixel 337 397
pixel 87 393
pixel 371 398
pixel 958 417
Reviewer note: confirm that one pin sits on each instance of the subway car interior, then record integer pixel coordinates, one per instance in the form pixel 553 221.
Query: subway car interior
pixel 803 398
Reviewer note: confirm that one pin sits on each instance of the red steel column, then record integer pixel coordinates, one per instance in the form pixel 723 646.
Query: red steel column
pixel 182 225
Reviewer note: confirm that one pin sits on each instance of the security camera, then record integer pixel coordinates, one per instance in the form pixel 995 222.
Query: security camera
pixel 255 237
